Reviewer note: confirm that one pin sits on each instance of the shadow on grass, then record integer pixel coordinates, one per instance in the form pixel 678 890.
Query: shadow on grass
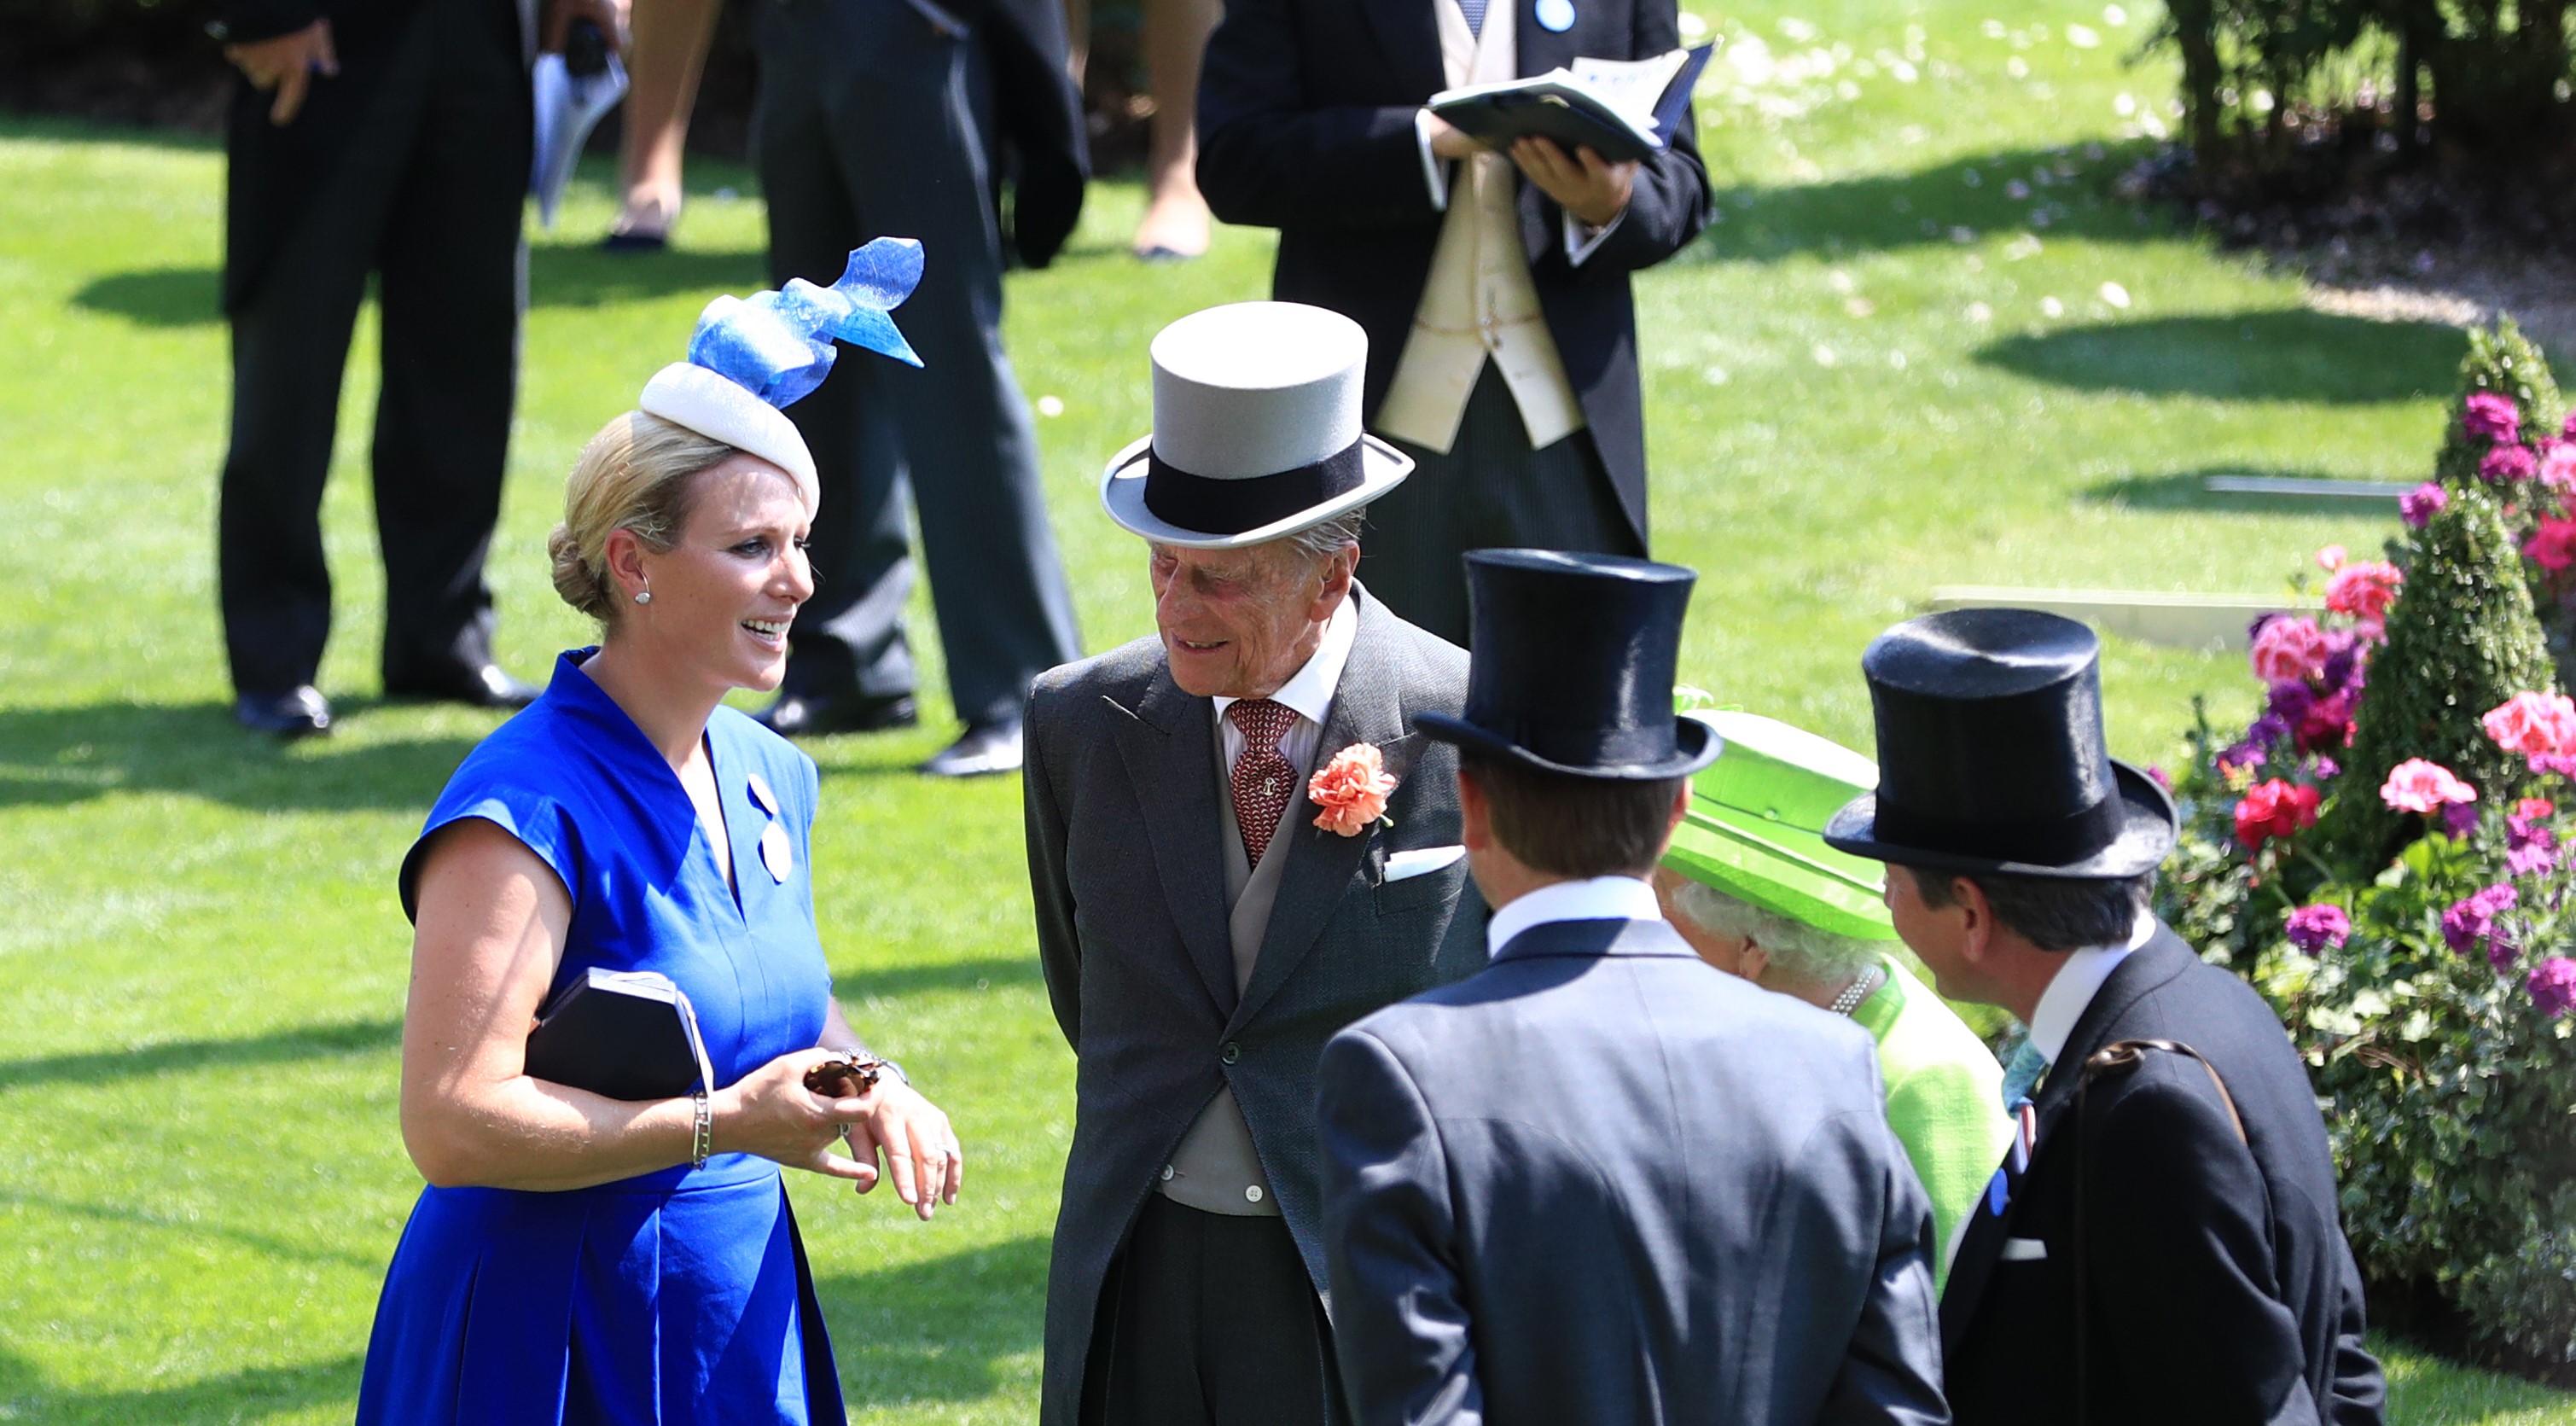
pixel 197 1228
pixel 2287 355
pixel 173 1058
pixel 937 1330
pixel 2189 490
pixel 557 277
pixel 934 977
pixel 252 1394
pixel 59 756
pixel 1935 205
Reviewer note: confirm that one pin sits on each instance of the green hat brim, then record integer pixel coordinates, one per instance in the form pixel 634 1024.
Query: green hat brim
pixel 1755 826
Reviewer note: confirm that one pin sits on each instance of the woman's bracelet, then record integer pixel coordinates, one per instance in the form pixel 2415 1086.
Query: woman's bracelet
pixel 702 1129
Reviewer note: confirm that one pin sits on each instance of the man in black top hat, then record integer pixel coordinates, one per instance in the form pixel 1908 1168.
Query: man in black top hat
pixel 1599 1181
pixel 2161 1244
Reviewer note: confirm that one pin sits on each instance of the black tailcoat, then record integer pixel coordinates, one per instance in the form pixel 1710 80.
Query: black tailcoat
pixel 2220 1286
pixel 1306 125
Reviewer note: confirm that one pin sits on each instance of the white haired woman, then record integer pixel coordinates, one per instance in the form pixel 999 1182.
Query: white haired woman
pixel 1756 892
pixel 581 1258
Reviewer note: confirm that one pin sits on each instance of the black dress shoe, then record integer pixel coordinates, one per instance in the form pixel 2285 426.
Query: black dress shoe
pixel 807 715
pixel 297 713
pixel 484 687
pixel 987 746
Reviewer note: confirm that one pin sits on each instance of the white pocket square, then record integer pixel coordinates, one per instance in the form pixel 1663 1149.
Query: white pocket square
pixel 2025 1250
pixel 1401 866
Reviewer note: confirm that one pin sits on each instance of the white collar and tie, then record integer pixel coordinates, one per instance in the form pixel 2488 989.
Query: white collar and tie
pixel 1294 718
pixel 2068 996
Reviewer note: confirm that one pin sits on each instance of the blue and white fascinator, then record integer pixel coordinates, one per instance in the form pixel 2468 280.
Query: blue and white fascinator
pixel 751 357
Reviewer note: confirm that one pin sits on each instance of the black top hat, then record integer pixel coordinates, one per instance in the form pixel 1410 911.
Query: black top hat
pixel 1990 754
pixel 1573 667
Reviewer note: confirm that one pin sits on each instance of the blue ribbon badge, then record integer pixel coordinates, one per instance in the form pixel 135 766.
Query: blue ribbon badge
pixel 778 345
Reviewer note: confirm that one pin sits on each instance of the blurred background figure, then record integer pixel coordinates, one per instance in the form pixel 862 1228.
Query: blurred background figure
pixel 665 56
pixel 1751 885
pixel 891 117
pixel 1175 226
pixel 386 139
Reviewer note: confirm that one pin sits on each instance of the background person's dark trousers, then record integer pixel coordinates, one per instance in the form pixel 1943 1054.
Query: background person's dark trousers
pixel 409 165
pixel 874 123
pixel 1209 1320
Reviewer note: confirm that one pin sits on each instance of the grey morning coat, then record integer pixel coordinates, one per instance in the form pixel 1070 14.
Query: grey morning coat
pixel 1123 799
pixel 1600 1182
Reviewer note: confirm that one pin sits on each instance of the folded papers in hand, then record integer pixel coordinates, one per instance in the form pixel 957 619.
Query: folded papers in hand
pixel 1622 110
pixel 621 1035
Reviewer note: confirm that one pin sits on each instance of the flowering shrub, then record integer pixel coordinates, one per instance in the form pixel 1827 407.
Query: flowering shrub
pixel 2382 852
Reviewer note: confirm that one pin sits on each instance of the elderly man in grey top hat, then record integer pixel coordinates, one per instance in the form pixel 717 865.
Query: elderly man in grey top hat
pixel 1237 846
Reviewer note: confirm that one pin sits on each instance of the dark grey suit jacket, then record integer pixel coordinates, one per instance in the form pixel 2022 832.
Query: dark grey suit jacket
pixel 2223 1256
pixel 1601 1182
pixel 1124 841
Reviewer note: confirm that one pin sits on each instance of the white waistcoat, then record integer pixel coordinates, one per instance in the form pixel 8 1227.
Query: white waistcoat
pixel 1479 299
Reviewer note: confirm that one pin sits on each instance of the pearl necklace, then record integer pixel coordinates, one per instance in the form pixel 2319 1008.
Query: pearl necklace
pixel 1858 991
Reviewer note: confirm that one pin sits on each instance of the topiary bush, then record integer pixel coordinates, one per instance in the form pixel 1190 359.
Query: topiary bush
pixel 2384 853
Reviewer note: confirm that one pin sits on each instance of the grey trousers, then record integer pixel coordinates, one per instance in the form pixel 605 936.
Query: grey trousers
pixel 1209 1320
pixel 873 121
pixel 1490 491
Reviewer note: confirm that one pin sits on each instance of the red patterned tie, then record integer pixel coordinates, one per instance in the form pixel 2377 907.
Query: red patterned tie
pixel 1263 780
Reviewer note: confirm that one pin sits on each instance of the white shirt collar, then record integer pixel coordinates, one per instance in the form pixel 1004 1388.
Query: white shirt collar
pixel 1310 692
pixel 2077 982
pixel 1602 898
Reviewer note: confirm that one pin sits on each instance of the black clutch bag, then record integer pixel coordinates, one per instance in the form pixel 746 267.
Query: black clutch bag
pixel 620 1035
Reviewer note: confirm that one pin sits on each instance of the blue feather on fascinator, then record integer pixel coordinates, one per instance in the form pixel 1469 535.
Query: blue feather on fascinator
pixel 778 345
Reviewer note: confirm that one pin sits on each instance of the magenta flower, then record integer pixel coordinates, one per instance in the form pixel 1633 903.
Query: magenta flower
pixel 2328 768
pixel 2471 920
pixel 2420 785
pixel 2492 416
pixel 2553 986
pixel 2503 464
pixel 2422 503
pixel 2314 928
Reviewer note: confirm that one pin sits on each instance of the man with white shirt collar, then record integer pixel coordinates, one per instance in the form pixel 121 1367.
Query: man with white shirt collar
pixel 2162 1242
pixel 1236 846
pixel 1600 1181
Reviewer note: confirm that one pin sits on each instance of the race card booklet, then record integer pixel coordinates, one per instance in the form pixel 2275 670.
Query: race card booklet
pixel 622 1035
pixel 1622 110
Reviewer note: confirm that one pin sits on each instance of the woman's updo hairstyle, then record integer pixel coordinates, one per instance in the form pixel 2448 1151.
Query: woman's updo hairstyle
pixel 634 475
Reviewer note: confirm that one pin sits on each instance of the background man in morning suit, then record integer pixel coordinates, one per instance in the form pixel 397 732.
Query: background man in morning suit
pixel 1201 932
pixel 1502 336
pixel 1601 1181
pixel 383 138
pixel 2163 1247
pixel 903 118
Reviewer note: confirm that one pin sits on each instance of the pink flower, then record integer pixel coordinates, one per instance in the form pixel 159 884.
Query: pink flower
pixel 1350 791
pixel 2291 648
pixel 2491 416
pixel 2558 465
pixel 2552 545
pixel 2470 922
pixel 2553 986
pixel 2364 590
pixel 2417 785
pixel 2507 463
pixel 2331 558
pixel 2530 723
pixel 2314 928
pixel 2419 505
pixel 2534 808
pixel 2274 809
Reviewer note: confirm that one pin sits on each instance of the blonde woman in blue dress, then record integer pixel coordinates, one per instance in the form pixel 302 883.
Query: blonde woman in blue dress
pixel 581 1259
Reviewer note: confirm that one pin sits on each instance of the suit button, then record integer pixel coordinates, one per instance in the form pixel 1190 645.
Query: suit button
pixel 1252 1193
pixel 1230 1053
pixel 1167 1173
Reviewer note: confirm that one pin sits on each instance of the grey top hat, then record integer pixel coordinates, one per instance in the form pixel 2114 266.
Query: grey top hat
pixel 1256 430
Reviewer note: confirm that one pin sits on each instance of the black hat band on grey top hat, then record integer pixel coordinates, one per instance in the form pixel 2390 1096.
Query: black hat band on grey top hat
pixel 2037 840
pixel 1230 507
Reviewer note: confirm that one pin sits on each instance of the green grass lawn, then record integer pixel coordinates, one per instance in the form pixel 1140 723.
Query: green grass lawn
pixel 1888 368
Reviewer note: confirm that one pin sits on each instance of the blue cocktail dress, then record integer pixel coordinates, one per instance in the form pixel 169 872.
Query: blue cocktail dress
pixel 676 1296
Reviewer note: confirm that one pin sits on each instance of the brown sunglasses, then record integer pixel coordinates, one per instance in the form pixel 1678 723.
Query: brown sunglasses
pixel 845 1076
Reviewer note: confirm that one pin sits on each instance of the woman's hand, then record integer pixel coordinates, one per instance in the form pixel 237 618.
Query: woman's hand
pixel 771 1113
pixel 921 1151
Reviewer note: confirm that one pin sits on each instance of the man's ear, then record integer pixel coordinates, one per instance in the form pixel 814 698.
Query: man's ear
pixel 1674 814
pixel 1977 925
pixel 1338 573
pixel 1475 814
